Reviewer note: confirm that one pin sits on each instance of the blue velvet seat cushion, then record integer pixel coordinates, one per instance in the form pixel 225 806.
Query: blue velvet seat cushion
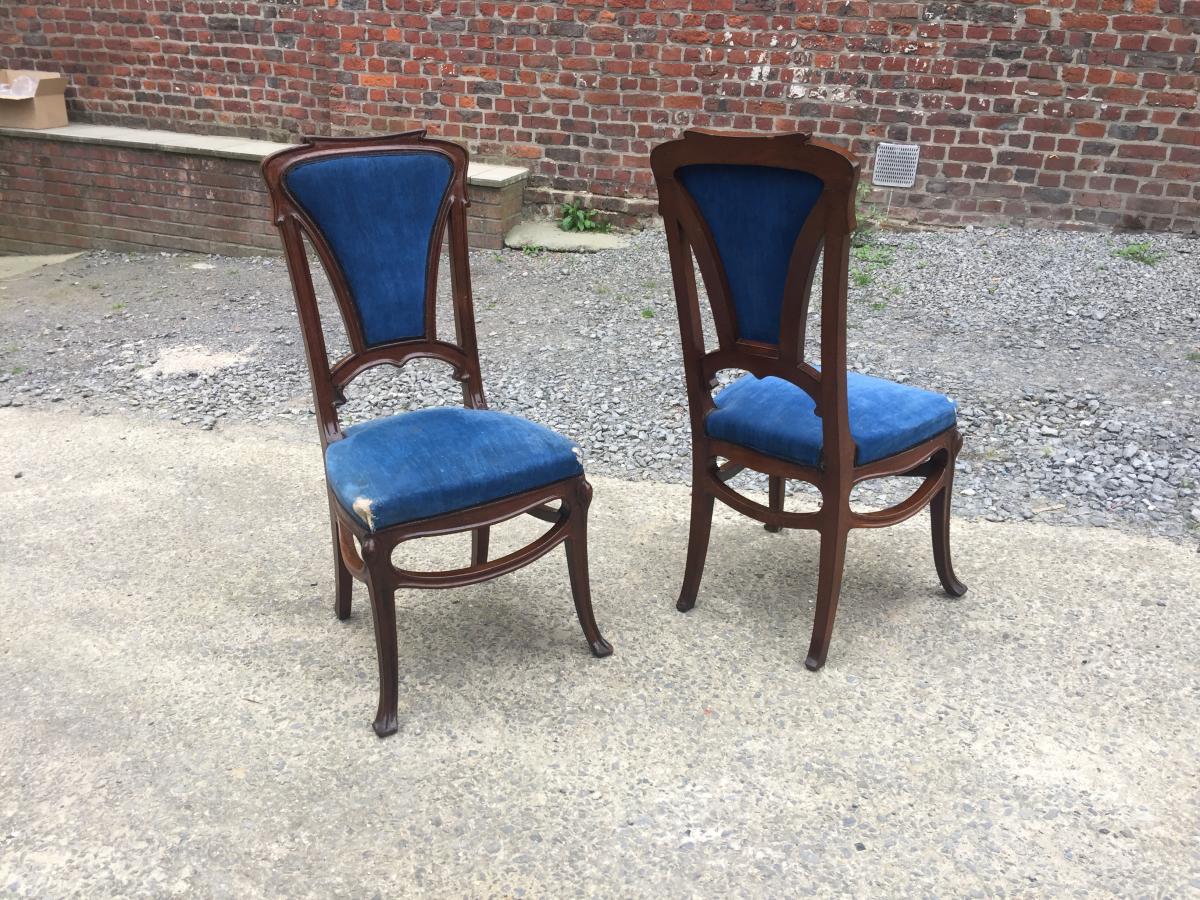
pixel 775 417
pixel 439 460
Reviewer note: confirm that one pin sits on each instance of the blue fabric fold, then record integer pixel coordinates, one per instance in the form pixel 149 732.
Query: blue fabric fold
pixel 775 417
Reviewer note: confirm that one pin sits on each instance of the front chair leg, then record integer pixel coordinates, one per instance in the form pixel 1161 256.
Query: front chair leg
pixel 775 490
pixel 702 510
pixel 343 584
pixel 479 545
pixel 939 518
pixel 382 588
pixel 577 569
pixel 829 585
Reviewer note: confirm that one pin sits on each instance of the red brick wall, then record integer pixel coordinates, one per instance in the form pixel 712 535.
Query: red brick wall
pixel 56 194
pixel 1079 112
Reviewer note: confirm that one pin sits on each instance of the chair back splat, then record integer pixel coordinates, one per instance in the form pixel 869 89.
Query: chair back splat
pixel 756 212
pixel 376 211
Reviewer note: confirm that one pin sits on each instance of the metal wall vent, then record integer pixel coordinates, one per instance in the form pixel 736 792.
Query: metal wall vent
pixel 895 165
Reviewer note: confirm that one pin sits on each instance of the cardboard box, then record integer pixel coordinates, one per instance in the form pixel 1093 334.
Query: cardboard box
pixel 47 108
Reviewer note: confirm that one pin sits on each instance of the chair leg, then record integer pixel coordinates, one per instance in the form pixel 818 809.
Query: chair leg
pixel 775 490
pixel 577 569
pixel 343 584
pixel 829 585
pixel 479 545
pixel 939 518
pixel 702 510
pixel 383 613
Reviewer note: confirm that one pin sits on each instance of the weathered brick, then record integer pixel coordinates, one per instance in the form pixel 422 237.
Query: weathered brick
pixel 1004 95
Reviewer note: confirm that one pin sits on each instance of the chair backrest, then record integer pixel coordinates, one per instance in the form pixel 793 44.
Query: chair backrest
pixel 375 211
pixel 757 211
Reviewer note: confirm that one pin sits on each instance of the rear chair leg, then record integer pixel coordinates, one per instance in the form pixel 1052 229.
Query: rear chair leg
pixel 343 584
pixel 829 585
pixel 702 510
pixel 479 545
pixel 577 569
pixel 381 586
pixel 775 490
pixel 939 518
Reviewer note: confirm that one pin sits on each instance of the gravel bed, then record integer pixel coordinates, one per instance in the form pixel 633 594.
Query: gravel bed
pixel 1077 372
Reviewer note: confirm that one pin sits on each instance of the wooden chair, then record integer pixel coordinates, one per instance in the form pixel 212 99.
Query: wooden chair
pixel 375 211
pixel 756 212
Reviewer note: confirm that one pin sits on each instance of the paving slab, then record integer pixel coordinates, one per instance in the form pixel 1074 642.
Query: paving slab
pixel 181 714
pixel 548 236
pixel 12 266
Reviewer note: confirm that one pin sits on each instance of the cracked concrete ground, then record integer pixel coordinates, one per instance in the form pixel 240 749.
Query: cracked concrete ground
pixel 181 714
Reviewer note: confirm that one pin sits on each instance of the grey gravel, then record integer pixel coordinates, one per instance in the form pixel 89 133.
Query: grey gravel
pixel 1076 372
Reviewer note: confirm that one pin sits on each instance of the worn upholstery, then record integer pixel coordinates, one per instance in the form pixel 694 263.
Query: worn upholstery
pixel 377 212
pixel 755 214
pixel 439 460
pixel 775 417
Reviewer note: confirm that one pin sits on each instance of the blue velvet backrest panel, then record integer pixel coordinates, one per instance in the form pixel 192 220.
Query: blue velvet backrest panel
pixel 377 213
pixel 755 214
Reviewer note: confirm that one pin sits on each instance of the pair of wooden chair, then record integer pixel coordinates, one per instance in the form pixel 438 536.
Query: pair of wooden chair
pixel 756 213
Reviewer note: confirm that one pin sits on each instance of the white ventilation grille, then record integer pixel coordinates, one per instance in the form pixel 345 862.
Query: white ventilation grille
pixel 895 165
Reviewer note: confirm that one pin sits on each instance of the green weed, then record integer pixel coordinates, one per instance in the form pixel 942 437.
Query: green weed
pixel 577 217
pixel 1142 253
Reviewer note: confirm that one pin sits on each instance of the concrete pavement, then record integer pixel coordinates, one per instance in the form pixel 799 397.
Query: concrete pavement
pixel 180 713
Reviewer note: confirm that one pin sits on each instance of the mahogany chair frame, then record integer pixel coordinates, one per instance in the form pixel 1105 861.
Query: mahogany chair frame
pixel 829 228
pixel 371 560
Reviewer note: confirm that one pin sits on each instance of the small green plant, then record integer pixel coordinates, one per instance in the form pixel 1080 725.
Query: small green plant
pixel 874 255
pixel 1142 252
pixel 577 217
pixel 117 307
pixel 498 257
pixel 18 370
pixel 869 218
pixel 647 313
pixel 879 306
pixel 862 279
pixel 1194 356
pixel 530 250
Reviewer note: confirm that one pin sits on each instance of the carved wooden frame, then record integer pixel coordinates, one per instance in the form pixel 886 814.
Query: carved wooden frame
pixel 829 228
pixel 371 560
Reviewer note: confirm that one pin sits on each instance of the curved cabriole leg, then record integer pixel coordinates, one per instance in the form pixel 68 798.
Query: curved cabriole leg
pixel 939 519
pixel 343 584
pixel 577 569
pixel 775 489
pixel 702 510
pixel 829 585
pixel 382 589
pixel 479 545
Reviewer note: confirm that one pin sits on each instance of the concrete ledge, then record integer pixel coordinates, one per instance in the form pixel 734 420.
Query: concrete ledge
pixel 478 173
pixel 88 186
